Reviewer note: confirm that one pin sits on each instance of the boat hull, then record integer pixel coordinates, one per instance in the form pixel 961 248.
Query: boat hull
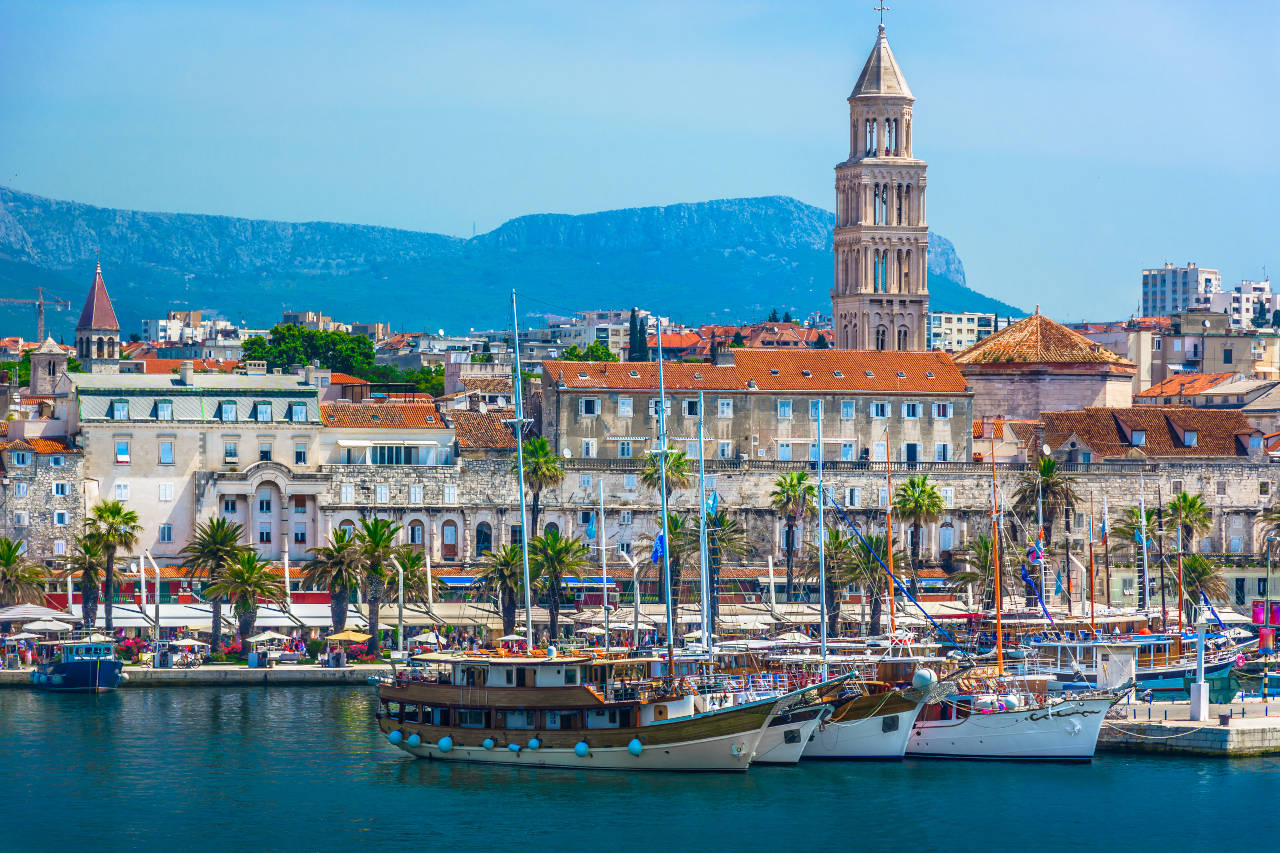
pixel 784 739
pixel 82 676
pixel 1065 731
pixel 874 727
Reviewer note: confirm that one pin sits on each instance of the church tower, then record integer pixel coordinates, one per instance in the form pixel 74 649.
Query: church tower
pixel 98 332
pixel 881 296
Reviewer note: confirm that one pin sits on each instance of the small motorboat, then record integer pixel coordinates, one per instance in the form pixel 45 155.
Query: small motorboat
pixel 87 665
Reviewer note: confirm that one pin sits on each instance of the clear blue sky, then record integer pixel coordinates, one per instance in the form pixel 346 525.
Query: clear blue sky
pixel 1069 143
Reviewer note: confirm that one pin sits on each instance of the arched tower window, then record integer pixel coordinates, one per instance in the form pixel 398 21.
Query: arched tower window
pixel 882 335
pixel 906 271
pixel 902 338
pixel 101 347
pixel 484 538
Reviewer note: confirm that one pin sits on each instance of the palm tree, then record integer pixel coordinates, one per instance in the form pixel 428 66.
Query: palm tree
pixel 1200 575
pixel 682 536
pixel 87 564
pixel 979 572
pixel 336 568
pixel 212 545
pixel 21 581
pixel 114 526
pixel 542 470
pixel 244 579
pixel 1047 490
pixel 793 496
pixel 376 542
pixel 556 557
pixel 725 538
pixel 1191 515
pixel 868 572
pixel 413 567
pixel 679 471
pixel 918 502
pixel 502 575
pixel 1126 534
pixel 839 554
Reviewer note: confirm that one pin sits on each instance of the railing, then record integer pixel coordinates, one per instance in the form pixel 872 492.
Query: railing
pixel 636 465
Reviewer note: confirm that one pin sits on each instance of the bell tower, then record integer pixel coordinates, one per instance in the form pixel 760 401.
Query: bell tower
pixel 881 295
pixel 98 332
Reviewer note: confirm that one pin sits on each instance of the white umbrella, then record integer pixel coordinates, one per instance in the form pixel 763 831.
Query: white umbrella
pixel 23 635
pixel 511 638
pixel 591 629
pixel 47 625
pixel 23 612
pixel 696 635
pixel 795 637
pixel 187 642
pixel 267 635
pixel 98 638
pixel 428 637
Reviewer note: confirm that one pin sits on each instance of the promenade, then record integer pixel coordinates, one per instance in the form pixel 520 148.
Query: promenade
pixel 1252 728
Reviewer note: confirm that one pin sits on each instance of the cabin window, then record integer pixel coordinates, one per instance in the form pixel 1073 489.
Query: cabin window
pixel 570 676
pixel 552 718
pixel 519 719
pixel 472 719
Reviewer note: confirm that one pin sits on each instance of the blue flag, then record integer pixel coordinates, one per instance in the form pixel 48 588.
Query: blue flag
pixel 1057 585
pixel 1035 553
pixel 591 526
pixel 713 502
pixel 658 548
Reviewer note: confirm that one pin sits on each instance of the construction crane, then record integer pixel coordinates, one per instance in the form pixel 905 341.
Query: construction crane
pixel 40 302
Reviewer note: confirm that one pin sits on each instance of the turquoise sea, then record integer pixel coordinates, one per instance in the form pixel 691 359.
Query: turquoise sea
pixel 280 769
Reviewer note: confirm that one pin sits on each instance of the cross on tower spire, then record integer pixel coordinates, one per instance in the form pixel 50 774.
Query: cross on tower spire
pixel 881 9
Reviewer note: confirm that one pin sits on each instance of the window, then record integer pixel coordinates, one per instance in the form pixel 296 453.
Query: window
pixel 166 533
pixel 264 505
pixel 942 411
pixel 784 409
pixel 815 409
pixel 624 407
pixel 942 452
pixel 911 410
pixel 882 499
pixel 298 412
pixel 653 407
pixel 624 450
pixel 690 408
pixel 59 547
pixel 846 451
pixel 948 496
pixel 122 454
pixel 1226 356
pixel 588 448
pixel 846 410
pixel 628 481
pixel 164 410
pixel 61 489
pixel 450 493
pixel 724 407
pixel 347 493
pixel 880 452
pixel 1264 489
pixel 584 481
pixel 588 406
pixel 119 410
pixel 57 461
pixel 1190 437
pixel 121 491
pixel 229 506
pixel 815 452
pixel 382 493
pixel 264 533
pixel 299 533
pixel 230 451
pixel 416 532
pixel 228 411
pixel 1175 486
pixel 1139 437
pixel 415 495
pixel 1262 586
pixel 20 518
pixel 60 518
pixel 164 492
pixel 166 452
pixel 624 547
pixel 1237 545
pixel 624 516
pixel 300 453
pixel 264 451
pixel 879 410
pixel 784 451
pixel 20 490
pixel 724 449
pixel 853 496
pixel 262 412
pixel 299 504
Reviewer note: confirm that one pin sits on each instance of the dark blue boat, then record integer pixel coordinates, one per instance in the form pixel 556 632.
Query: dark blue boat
pixel 83 666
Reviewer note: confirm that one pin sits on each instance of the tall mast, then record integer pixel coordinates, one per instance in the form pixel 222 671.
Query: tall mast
pixel 888 522
pixel 822 556
pixel 603 541
pixel 704 564
pixel 1092 625
pixel 1142 521
pixel 662 491
pixel 1180 592
pixel 524 532
pixel 995 558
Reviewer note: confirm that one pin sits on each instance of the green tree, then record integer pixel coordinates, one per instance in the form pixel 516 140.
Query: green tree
pixel 543 469
pixel 376 541
pixel 678 468
pixel 786 317
pixel 212 545
pixel 979 571
pixel 1125 535
pixel 773 316
pixel 1191 515
pixel 1056 492
pixel 337 567
pixel 840 557
pixel 501 574
pixel 246 578
pixel 821 342
pixel 738 341
pixel 115 527
pixel 793 496
pixel 870 574
pixel 87 565
pixel 725 539
pixel 417 580
pixel 21 581
pixel 638 341
pixel 1200 575
pixel 917 502
pixel 555 557
pixel 595 351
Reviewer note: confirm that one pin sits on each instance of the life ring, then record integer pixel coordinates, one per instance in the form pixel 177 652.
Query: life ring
pixel 1240 660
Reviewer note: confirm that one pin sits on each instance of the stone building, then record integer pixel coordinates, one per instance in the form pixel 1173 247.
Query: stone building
pixel 48 362
pixel 1151 432
pixel 98 330
pixel 42 495
pixel 1037 365
pixel 881 298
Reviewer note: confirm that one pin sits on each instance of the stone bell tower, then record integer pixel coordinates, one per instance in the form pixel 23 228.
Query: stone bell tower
pixel 881 296
pixel 98 332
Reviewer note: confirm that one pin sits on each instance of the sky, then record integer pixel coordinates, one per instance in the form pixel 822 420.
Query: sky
pixel 1070 144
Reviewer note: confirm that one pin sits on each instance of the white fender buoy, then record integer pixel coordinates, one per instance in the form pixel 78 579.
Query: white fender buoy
pixel 924 679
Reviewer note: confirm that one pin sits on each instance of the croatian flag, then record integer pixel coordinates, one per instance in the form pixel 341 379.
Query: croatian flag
pixel 658 548
pixel 1036 553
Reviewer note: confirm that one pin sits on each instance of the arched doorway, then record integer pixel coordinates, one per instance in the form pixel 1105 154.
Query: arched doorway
pixel 449 540
pixel 484 538
pixel 551 527
pixel 417 534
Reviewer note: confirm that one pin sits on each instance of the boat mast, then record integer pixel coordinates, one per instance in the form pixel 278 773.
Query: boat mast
pixel 888 521
pixel 1092 625
pixel 822 556
pixel 520 422
pixel 604 567
pixel 662 492
pixel 995 558
pixel 704 564
pixel 1142 521
pixel 1180 592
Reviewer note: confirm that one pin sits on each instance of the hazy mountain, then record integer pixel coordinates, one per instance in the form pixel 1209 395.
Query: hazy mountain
pixel 726 260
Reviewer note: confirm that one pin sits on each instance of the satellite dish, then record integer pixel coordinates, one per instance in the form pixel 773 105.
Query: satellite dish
pixel 568 454
pixel 1046 450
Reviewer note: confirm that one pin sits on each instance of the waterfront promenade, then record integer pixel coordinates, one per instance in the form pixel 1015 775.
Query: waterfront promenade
pixel 214 674
pixel 1252 728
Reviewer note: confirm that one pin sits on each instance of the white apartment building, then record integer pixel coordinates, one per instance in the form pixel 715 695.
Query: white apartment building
pixel 1241 303
pixel 951 331
pixel 1169 289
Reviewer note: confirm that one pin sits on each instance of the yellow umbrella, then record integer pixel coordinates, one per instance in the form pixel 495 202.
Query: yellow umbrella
pixel 349 636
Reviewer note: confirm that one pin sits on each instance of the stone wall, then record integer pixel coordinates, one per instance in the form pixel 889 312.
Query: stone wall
pixel 1022 395
pixel 41 505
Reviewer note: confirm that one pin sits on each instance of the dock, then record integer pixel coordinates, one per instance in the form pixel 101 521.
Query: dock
pixel 226 675
pixel 1252 727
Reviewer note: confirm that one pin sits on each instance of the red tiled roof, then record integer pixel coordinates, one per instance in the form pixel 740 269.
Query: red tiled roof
pixel 676 340
pixel 38 445
pixel 1107 432
pixel 151 364
pixel 336 378
pixel 487 384
pixel 98 313
pixel 1037 340
pixel 370 415
pixel 1182 384
pixel 483 430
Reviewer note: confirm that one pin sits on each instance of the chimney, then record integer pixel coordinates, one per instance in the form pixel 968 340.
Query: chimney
pixel 722 356
pixel 309 375
pixel 186 372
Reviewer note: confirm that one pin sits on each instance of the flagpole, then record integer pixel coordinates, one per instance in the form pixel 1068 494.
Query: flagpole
pixel 822 557
pixel 1106 547
pixel 519 419
pixel 704 566
pixel 1092 625
pixel 888 521
pixel 995 559
pixel 1142 522
pixel 602 540
pixel 662 491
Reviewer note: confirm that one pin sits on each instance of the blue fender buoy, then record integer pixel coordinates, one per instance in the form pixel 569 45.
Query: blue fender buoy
pixel 514 747
pixel 635 747
pixel 534 743
pixel 445 744
pixel 414 739
pixel 395 737
pixel 488 743
pixel 581 749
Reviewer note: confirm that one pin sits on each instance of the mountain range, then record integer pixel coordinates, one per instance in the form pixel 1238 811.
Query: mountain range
pixel 730 260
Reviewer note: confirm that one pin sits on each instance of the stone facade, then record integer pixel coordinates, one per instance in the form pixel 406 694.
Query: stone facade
pixel 42 495
pixel 1022 394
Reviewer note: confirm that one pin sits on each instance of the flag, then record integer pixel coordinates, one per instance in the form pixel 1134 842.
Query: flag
pixel 1036 553
pixel 1103 523
pixel 658 548
pixel 713 501
pixel 591 526
pixel 1057 585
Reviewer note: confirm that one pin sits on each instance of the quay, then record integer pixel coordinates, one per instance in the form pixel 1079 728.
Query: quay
pixel 223 674
pixel 1252 727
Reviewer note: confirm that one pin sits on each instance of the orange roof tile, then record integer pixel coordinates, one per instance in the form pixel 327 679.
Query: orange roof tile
pixel 483 430
pixel 1182 384
pixel 487 384
pixel 337 378
pixel 1038 340
pixel 1107 432
pixel 38 445
pixel 380 415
